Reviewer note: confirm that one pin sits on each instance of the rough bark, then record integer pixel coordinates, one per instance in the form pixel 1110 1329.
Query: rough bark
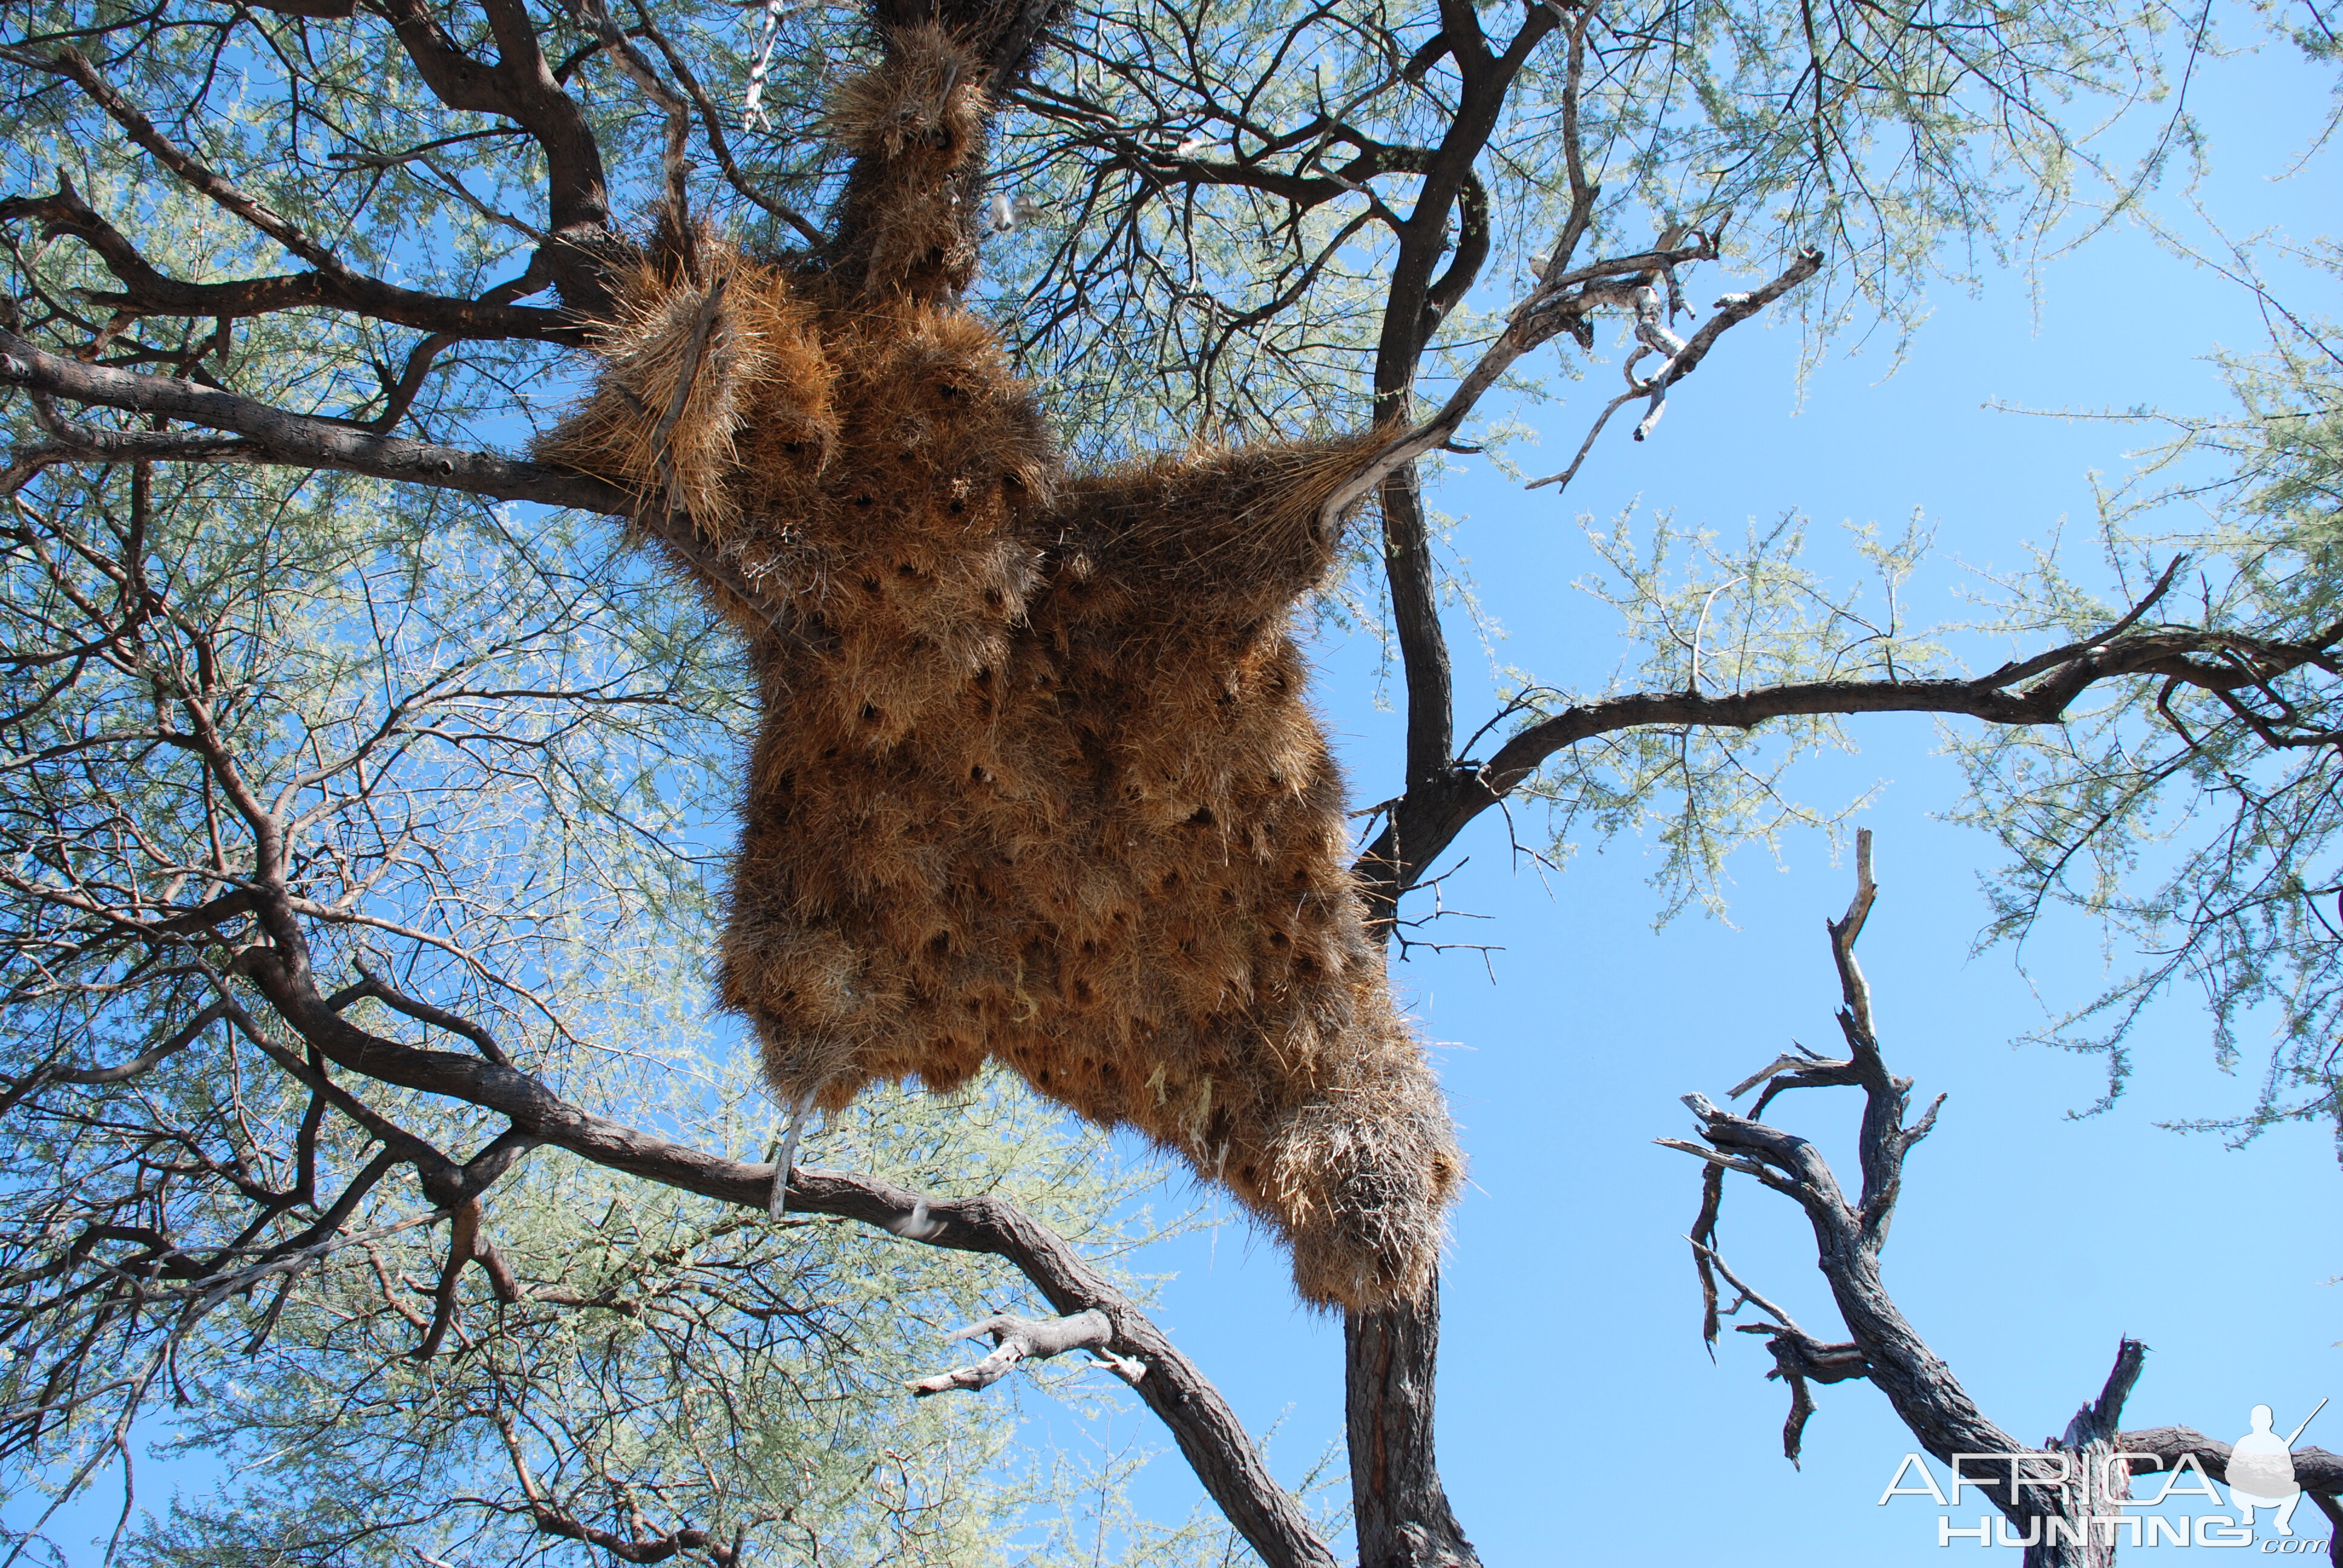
pixel 272 434
pixel 1398 1508
pixel 2061 1502
pixel 2098 1488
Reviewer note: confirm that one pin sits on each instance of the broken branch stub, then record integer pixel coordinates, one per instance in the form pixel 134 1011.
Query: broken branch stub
pixel 1017 1339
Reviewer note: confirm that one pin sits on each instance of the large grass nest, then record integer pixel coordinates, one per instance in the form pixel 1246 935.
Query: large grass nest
pixel 1037 779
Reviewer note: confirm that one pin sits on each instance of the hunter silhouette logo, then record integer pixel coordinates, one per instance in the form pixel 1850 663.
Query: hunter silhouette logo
pixel 2261 1470
pixel 2260 1473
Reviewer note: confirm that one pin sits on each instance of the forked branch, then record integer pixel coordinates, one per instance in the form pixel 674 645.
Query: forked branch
pixel 2055 1494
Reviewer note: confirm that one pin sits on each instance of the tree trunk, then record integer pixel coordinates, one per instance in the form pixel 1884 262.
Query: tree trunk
pixel 2065 1536
pixel 1401 1512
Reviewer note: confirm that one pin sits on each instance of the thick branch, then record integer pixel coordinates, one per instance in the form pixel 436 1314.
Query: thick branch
pixel 1209 1434
pixel 1416 304
pixel 2097 1422
pixel 2077 1479
pixel 1415 621
pixel 272 435
pixel 292 439
pixel 520 87
pixel 1435 787
pixel 2158 1448
pixel 1927 1397
pixel 1401 1510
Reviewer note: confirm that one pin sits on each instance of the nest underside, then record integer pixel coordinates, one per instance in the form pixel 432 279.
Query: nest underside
pixel 1037 779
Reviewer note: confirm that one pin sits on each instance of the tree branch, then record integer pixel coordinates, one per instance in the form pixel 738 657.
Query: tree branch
pixel 1884 1347
pixel 277 436
pixel 1017 1339
pixel 1561 298
pixel 520 87
pixel 147 291
pixel 74 67
pixel 1208 1431
pixel 2161 1448
pixel 2037 690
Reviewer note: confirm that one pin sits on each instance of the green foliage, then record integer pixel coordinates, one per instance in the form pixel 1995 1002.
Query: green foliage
pixel 502 754
pixel 672 1356
pixel 1909 145
pixel 1702 617
pixel 2204 828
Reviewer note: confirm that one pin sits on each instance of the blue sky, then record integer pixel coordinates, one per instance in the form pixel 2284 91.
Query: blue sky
pixel 1581 1419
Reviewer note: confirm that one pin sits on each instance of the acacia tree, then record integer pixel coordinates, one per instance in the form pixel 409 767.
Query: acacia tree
pixel 301 898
